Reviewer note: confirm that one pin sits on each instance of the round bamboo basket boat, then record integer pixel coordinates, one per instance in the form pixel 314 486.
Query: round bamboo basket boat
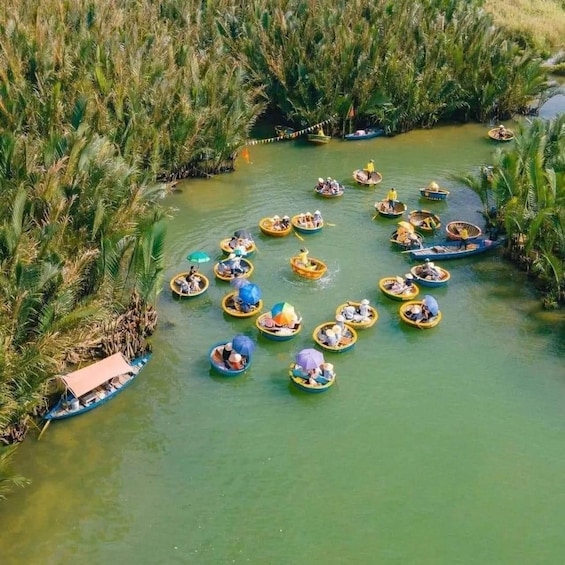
pixel 276 333
pixel 495 135
pixel 444 276
pixel 432 323
pixel 266 226
pixel 360 324
pixel 384 210
pixel 453 230
pixel 303 228
pixel 421 218
pixel 225 247
pixel 347 341
pixel 317 270
pixel 360 176
pixel 302 381
pixel 204 284
pixel 410 293
pixel 230 306
pixel 244 262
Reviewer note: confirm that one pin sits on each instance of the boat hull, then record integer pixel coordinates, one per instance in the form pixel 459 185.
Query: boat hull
pixel 229 306
pixel 301 382
pixel 59 413
pixel 266 227
pixel 275 334
pixel 494 135
pixel 445 275
pixel 175 288
pixel 248 272
pixel 369 134
pixel 449 250
pixel 301 228
pixel 346 343
pixel 432 323
pixel 410 294
pixel 438 194
pixel 218 365
pixel 383 209
pixel 317 271
pixel 360 324
pixel 318 139
pixel 360 177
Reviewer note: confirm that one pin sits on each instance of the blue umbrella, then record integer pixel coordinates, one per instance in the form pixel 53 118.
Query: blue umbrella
pixel 250 294
pixel 243 234
pixel 198 257
pixel 239 282
pixel 309 359
pixel 431 304
pixel 243 345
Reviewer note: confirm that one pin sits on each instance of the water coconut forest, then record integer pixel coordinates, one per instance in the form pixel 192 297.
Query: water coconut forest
pixel 105 104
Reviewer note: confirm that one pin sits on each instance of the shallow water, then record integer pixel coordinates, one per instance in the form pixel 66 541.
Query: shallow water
pixel 434 446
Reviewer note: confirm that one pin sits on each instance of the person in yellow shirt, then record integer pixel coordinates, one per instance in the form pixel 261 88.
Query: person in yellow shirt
pixel 392 197
pixel 464 235
pixel 303 257
pixel 370 168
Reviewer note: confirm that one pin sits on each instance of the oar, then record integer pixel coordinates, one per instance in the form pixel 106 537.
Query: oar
pixel 43 430
pixel 331 225
pixel 298 236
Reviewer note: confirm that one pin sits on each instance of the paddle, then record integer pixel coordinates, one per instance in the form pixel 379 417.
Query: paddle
pixel 298 236
pixel 331 225
pixel 43 430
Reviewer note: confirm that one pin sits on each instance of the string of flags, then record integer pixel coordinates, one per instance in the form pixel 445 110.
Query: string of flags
pixel 291 135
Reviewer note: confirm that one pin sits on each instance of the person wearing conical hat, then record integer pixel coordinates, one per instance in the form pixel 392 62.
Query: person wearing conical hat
pixel 317 219
pixel 434 186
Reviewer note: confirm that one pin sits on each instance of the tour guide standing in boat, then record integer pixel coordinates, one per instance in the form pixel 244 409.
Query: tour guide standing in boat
pixel 370 168
pixel 392 197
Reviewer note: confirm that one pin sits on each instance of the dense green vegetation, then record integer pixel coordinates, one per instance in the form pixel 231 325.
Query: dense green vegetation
pixel 99 99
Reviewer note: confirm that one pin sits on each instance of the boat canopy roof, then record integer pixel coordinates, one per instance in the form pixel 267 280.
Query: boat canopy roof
pixel 84 380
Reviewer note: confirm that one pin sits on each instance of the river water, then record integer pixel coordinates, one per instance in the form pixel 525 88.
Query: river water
pixel 442 446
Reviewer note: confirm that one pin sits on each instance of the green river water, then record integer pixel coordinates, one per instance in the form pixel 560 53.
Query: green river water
pixel 434 447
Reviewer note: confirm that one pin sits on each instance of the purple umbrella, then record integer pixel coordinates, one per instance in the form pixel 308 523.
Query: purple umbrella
pixel 243 345
pixel 431 304
pixel 309 359
pixel 250 293
pixel 239 282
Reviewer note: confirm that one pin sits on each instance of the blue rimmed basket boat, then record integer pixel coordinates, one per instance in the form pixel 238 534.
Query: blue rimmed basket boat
pixel 304 228
pixel 300 380
pixel 217 363
pixel 424 279
pixel 404 316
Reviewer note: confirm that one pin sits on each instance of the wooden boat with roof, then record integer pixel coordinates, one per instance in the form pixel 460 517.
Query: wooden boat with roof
pixel 434 192
pixel 501 134
pixel 361 177
pixel 424 220
pixel 301 379
pixel 383 209
pixel 92 386
pixel 453 230
pixel 233 306
pixel 409 313
pixel 324 335
pixel 302 224
pixel 429 274
pixel 451 249
pixel 397 289
pixel 225 274
pixel 224 367
pixel 272 226
pixel 182 287
pixel 247 248
pixel 269 329
pixel 316 268
pixel 351 311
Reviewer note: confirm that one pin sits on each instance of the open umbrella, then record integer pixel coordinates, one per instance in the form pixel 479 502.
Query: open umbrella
pixel 238 282
pixel 283 313
pixel 431 304
pixel 406 226
pixel 243 345
pixel 250 293
pixel 198 257
pixel 243 234
pixel 309 359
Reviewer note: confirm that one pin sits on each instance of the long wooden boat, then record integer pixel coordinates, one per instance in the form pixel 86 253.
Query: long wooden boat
pixel 384 210
pixel 250 248
pixel 316 269
pixel 424 220
pixel 364 134
pixel 268 227
pixel 361 177
pixel 246 264
pixel 328 192
pixel 408 292
pixel 274 332
pixel 405 317
pixel 453 230
pixel 357 321
pixel 302 381
pixel 232 305
pixel 496 135
pixel 423 277
pixel 302 227
pixel 415 242
pixel 220 366
pixel 451 250
pixel 176 285
pixel 95 385
pixel 434 192
pixel 346 342
pixel 318 138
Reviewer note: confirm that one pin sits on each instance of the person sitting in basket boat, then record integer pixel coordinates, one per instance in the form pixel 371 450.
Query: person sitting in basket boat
pixel 233 242
pixel 318 220
pixel 391 199
pixel 433 186
pixel 320 185
pixel 429 271
pixel 349 312
pixel 227 350
pixel 276 223
pixel 285 222
pixel 501 133
pixel 329 338
pixel 327 372
pixel 415 313
pixel 194 284
pixel 183 285
pixel 236 361
pixel 428 223
pixel 364 310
